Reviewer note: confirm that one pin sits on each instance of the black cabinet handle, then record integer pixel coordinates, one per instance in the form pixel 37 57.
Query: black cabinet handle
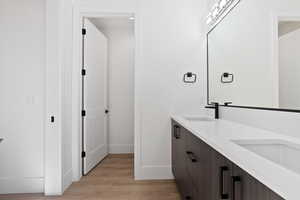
pixel 223 195
pixel 235 180
pixel 192 156
pixel 176 131
pixel 188 197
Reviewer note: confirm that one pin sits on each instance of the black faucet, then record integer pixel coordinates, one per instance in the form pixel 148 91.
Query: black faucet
pixel 215 106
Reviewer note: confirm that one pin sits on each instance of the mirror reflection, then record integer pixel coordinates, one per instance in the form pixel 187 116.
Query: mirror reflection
pixel 254 55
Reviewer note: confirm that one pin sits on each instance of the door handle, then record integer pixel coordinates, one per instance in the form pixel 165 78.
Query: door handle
pixel 1 139
pixel 235 180
pixel 192 156
pixel 223 195
pixel 177 131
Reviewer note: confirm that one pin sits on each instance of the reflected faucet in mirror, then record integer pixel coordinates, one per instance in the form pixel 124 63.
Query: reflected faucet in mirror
pixel 215 106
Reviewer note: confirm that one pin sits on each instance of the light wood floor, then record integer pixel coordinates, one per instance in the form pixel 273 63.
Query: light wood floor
pixel 112 180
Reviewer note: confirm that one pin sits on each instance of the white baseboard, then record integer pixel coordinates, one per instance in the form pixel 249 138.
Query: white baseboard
pixel 155 173
pixel 121 148
pixel 21 185
pixel 67 179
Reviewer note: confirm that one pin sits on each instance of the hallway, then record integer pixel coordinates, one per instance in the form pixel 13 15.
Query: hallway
pixel 112 180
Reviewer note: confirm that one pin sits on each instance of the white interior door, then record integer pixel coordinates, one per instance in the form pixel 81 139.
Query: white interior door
pixel 95 97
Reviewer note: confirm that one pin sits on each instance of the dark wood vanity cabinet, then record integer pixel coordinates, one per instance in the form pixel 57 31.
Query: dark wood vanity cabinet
pixel 221 172
pixel 246 187
pixel 202 173
pixel 178 158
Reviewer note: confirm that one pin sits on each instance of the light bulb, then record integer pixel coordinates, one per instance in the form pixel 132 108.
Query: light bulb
pixel 209 20
pixel 216 5
pixel 215 12
pixel 222 3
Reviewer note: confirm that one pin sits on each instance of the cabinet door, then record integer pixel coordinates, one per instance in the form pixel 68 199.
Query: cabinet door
pixel 245 187
pixel 175 142
pixel 274 196
pixel 198 156
pixel 221 172
pixel 190 191
pixel 178 157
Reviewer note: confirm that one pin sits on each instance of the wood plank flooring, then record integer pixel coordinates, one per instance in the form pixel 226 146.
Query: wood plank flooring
pixel 112 179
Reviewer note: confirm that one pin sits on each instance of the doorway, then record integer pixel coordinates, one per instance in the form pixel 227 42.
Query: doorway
pixel 288 59
pixel 107 82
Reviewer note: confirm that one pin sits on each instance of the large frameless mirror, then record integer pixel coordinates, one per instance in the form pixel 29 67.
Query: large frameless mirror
pixel 254 56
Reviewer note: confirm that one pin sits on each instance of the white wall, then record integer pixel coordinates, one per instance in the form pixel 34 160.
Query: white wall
pixel 120 34
pixel 121 90
pixel 289 70
pixel 169 44
pixel 66 98
pixel 22 88
pixel 108 6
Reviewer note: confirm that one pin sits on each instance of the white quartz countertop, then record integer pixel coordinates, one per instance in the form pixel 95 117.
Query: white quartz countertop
pixel 220 134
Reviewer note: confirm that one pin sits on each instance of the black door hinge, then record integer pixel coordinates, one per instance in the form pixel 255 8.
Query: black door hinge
pixel 83 72
pixel 83 154
pixel 83 113
pixel 83 31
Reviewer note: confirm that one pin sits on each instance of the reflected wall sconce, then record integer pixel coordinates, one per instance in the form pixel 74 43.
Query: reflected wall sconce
pixel 219 10
pixel 227 78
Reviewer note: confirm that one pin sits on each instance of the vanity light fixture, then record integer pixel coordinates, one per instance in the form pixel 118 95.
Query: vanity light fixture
pixel 219 9
pixel 222 3
pixel 209 18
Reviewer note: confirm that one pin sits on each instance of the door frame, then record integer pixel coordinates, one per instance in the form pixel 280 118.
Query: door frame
pixel 77 86
pixel 53 93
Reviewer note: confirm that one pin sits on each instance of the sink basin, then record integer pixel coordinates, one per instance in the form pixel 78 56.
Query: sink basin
pixel 280 152
pixel 198 119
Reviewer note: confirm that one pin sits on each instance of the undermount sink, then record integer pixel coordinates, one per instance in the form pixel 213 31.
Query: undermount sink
pixel 280 152
pixel 198 119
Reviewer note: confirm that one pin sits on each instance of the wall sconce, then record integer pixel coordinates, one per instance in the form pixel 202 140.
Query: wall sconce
pixel 220 9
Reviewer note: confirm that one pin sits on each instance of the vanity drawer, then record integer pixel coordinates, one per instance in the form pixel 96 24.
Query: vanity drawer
pixel 198 155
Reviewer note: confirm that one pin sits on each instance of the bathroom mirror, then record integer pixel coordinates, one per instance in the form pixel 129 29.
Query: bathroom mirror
pixel 253 56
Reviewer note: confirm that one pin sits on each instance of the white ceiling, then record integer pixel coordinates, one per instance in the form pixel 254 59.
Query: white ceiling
pixel 104 24
pixel 287 27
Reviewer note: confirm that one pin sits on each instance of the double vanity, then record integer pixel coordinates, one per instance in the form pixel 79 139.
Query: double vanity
pixel 251 65
pixel 219 159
